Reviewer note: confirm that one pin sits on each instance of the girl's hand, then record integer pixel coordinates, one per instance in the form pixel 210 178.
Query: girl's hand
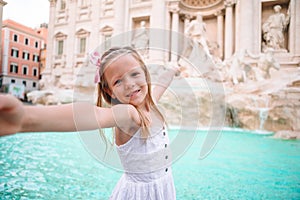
pixel 174 68
pixel 165 80
pixel 11 114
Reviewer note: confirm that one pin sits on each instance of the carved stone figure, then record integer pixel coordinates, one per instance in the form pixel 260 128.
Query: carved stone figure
pixel 239 70
pixel 273 30
pixel 196 32
pixel 140 39
pixel 238 67
pixel 266 62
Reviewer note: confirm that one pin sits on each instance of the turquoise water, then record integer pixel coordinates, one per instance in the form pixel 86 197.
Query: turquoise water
pixel 241 166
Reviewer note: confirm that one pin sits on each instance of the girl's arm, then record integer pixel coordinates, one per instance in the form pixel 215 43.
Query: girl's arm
pixel 15 117
pixel 164 81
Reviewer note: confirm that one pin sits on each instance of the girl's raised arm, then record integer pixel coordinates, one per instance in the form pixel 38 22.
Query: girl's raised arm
pixel 15 117
pixel 164 81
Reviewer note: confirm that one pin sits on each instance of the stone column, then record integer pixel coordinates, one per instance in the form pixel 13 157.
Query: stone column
pixel 294 29
pixel 119 13
pixel 47 75
pixel 228 28
pixel 50 40
pixel 220 29
pixel 244 26
pixel 2 3
pixel 95 36
pixel 70 47
pixel 157 24
pixel 175 29
pixel 256 30
pixel 158 14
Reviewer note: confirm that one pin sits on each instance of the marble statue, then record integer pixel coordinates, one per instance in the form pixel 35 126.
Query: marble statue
pixel 273 30
pixel 237 67
pixel 140 39
pixel 196 31
pixel 266 62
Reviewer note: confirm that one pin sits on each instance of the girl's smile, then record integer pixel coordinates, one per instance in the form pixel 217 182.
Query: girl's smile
pixel 126 80
pixel 133 94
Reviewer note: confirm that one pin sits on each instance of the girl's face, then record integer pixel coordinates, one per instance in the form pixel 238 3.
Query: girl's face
pixel 126 81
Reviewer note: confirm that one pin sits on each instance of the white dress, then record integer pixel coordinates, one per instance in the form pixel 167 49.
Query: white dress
pixel 147 168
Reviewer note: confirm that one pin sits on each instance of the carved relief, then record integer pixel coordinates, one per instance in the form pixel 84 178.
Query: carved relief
pixel 199 3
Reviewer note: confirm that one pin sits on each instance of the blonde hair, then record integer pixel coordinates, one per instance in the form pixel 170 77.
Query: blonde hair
pixel 107 58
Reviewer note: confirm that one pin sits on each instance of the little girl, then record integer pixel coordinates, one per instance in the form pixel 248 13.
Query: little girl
pixel 140 133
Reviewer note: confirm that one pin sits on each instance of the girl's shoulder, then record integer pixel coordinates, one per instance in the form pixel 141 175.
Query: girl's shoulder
pixel 128 122
pixel 126 115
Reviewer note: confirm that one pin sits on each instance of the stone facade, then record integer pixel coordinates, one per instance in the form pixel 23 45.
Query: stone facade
pixel 256 73
pixel 76 27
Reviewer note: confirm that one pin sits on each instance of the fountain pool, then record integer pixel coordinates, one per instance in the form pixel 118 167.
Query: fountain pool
pixel 242 165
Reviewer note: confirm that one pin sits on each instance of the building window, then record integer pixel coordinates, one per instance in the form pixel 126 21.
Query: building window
pixel 13 68
pixel 106 36
pixel 35 58
pixel 83 3
pixel 107 42
pixel 34 84
pixel 15 38
pixel 24 70
pixel 12 80
pixel 35 72
pixel 26 41
pixel 36 44
pixel 82 45
pixel 24 83
pixel 26 55
pixel 82 40
pixel 60 47
pixel 15 53
pixel 62 5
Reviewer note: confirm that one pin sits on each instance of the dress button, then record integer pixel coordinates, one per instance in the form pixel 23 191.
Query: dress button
pixel 166 145
pixel 166 157
pixel 166 169
pixel 164 133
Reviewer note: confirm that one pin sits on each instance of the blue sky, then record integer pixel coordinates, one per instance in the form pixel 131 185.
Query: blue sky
pixel 30 13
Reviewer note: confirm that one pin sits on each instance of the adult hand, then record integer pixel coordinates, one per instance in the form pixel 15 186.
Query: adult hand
pixel 11 114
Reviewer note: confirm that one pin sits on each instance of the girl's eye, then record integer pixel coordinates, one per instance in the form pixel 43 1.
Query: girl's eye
pixel 135 73
pixel 117 82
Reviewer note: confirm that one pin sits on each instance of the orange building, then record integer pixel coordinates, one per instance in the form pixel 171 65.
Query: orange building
pixel 21 54
pixel 43 31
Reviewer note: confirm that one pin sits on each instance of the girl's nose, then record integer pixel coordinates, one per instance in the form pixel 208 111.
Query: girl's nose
pixel 129 83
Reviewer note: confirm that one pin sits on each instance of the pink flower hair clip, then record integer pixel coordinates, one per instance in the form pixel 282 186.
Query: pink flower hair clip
pixel 95 59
